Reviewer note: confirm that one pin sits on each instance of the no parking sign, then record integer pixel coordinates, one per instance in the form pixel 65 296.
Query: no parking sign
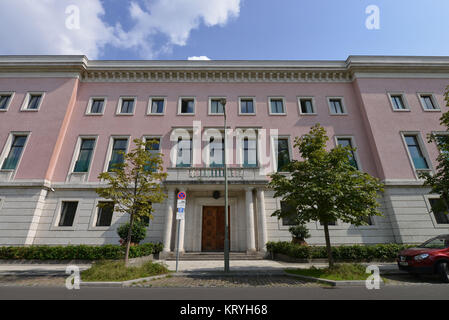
pixel 181 205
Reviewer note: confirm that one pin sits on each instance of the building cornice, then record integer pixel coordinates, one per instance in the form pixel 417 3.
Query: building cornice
pixel 224 70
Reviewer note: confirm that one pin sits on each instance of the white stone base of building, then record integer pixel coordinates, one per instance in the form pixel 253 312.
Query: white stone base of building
pixel 29 216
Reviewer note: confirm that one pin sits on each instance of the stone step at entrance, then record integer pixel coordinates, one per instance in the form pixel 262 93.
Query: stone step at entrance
pixel 213 256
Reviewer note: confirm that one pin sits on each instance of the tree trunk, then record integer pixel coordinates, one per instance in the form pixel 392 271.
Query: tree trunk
pixel 131 221
pixel 328 245
pixel 128 238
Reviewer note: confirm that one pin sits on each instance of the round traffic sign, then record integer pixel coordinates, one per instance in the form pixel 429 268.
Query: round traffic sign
pixel 181 195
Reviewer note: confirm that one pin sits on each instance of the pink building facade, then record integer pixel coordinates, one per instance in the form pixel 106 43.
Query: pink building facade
pixel 64 118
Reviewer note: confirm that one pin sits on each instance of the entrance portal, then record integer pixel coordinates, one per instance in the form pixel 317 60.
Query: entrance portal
pixel 213 229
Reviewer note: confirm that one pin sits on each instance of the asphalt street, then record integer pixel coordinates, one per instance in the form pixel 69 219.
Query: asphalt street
pixel 425 291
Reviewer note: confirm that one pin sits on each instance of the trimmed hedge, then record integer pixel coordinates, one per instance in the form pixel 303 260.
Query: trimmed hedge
pixel 378 252
pixel 78 252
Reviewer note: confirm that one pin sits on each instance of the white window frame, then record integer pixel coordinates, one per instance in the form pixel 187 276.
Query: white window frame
pixel 26 100
pixel 240 106
pixel 209 109
pixel 110 146
pixel 343 105
pixel 299 98
pixel 119 105
pixel 439 133
pixel 174 150
pixel 404 100
pixel 421 144
pixel 283 104
pixel 146 138
pixel 240 153
pixel 274 154
pixel 180 104
pixel 76 153
pixel 4 93
pixel 94 217
pixel 434 101
pixel 354 145
pixel 150 104
pixel 90 103
pixel 57 215
pixel 207 145
pixel 436 225
pixel 7 149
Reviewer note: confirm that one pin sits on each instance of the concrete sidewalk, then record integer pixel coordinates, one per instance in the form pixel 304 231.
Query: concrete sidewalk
pixel 204 266
pixel 259 266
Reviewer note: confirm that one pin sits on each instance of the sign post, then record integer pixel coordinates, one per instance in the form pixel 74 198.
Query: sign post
pixel 180 215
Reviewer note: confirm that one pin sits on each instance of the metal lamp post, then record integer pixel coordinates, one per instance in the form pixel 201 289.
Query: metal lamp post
pixel 226 239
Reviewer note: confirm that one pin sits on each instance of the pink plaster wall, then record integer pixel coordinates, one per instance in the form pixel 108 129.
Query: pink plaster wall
pixel 44 124
pixel 370 118
pixel 141 124
pixel 386 124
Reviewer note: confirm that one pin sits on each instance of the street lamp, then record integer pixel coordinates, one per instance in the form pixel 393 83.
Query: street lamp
pixel 226 239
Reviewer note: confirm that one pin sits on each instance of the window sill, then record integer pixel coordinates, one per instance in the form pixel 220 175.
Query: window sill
pixel 156 114
pixel 308 114
pixel 29 110
pixel 185 114
pixel 124 114
pixel 247 114
pixel 401 110
pixel 432 110
pixel 94 114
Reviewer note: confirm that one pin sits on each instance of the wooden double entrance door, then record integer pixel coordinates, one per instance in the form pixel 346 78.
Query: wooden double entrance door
pixel 213 229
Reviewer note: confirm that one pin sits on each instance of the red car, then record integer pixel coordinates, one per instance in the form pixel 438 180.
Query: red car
pixel 431 257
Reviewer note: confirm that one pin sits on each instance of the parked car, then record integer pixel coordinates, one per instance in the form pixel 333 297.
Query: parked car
pixel 431 257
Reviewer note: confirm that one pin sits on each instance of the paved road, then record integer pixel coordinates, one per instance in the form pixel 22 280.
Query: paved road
pixel 427 291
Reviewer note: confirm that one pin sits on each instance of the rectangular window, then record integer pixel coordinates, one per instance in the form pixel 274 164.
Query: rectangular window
pixel 34 101
pixel 184 158
pixel 283 153
pixel 306 105
pixel 347 142
pixel 336 106
pixel 247 106
pixel 97 106
pixel 416 154
pixel 288 220
pixel 277 106
pixel 216 149
pixel 398 102
pixel 187 106
pixel 4 101
pixel 11 161
pixel 216 107
pixel 127 106
pixel 85 155
pixel 157 106
pixel 442 141
pixel 68 211
pixel 427 102
pixel 439 211
pixel 249 152
pixel 118 149
pixel 153 148
pixel 104 216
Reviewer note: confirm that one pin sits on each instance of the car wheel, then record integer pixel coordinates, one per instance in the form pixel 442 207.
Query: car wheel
pixel 443 271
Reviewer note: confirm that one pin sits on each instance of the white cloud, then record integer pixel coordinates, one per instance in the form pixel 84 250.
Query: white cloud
pixel 39 26
pixel 198 58
pixel 175 19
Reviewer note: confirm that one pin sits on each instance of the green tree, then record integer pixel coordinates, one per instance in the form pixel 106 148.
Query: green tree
pixel 324 186
pixel 135 184
pixel 439 181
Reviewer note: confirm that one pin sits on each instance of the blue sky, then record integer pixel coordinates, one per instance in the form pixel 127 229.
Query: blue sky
pixel 232 29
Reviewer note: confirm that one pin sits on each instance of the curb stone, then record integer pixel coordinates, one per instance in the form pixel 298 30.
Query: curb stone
pixel 334 283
